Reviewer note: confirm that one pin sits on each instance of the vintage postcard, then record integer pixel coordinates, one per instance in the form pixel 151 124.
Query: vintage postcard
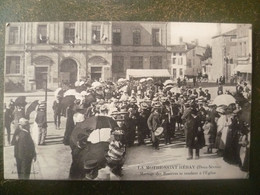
pixel 115 100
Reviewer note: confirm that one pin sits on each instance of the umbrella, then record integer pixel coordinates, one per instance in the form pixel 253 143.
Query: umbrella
pixel 57 91
pixel 96 129
pixel 224 99
pixel 96 84
pixel 98 122
pixel 175 90
pixel 70 92
pixel 124 88
pixel 67 101
pixel 142 80
pixel 168 87
pixel 31 107
pixel 149 79
pixel 121 80
pixel 20 101
pixel 168 82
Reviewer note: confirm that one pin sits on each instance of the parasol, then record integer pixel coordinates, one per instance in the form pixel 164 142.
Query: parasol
pixel 96 129
pixel 224 99
pixel 149 79
pixel 20 101
pixel 121 80
pixel 57 91
pixel 142 80
pixel 124 88
pixel 96 84
pixel 70 92
pixel 31 107
pixel 168 82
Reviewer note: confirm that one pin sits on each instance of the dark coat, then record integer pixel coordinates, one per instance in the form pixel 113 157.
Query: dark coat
pixel 154 121
pixel 41 119
pixel 23 146
pixel 192 132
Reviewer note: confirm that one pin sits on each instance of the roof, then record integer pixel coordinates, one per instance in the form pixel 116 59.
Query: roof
pixel 229 33
pixel 178 48
pixel 142 73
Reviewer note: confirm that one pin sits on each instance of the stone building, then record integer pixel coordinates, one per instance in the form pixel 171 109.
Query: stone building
pixel 232 53
pixel 70 51
pixel 186 59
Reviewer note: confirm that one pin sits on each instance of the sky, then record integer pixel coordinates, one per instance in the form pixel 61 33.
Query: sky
pixel 201 31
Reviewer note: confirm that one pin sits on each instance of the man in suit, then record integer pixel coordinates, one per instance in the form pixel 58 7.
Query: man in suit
pixel 24 150
pixel 153 122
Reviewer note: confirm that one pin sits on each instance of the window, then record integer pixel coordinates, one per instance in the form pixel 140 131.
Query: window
pixel 12 65
pixel 156 62
pixel 180 61
pixel 181 72
pixel 42 34
pixel 189 63
pixel 136 37
pixel 174 73
pixel 136 62
pixel 174 54
pixel 118 64
pixel 116 36
pixel 155 36
pixel 69 33
pixel 13 35
pixel 193 52
pixel 180 54
pixel 173 60
pixel 95 34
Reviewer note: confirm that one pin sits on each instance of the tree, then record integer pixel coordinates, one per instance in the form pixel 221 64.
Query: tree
pixel 207 54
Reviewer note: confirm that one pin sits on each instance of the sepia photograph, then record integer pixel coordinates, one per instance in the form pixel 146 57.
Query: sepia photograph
pixel 121 100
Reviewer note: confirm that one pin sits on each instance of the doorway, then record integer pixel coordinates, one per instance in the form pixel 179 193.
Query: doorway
pixel 39 77
pixel 68 71
pixel 96 73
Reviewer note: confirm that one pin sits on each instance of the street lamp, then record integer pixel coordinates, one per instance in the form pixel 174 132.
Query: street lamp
pixel 45 78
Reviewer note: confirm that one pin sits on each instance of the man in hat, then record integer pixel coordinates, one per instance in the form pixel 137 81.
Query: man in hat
pixel 24 150
pixel 207 95
pixel 41 121
pixel 57 111
pixel 142 127
pixel 7 121
pixel 17 115
pixel 201 92
pixel 153 122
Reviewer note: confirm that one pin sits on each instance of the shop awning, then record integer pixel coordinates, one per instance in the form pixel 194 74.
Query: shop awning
pixel 247 68
pixel 142 73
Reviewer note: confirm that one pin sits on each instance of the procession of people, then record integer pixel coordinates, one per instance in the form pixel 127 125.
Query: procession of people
pixel 145 111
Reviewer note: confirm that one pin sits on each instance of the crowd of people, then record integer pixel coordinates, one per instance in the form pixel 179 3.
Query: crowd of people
pixel 144 110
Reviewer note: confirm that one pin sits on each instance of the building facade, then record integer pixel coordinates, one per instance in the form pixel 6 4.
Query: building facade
pixel 65 51
pixel 70 51
pixel 186 59
pixel 231 54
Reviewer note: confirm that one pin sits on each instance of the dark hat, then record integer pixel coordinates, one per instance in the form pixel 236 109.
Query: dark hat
pixel 90 164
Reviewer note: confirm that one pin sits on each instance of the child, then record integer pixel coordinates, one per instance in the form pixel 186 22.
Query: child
pixel 116 153
pixel 208 134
